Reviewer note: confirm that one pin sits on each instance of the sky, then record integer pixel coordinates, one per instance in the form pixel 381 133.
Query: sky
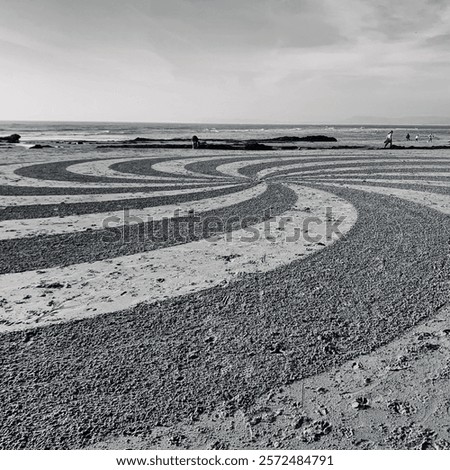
pixel 225 61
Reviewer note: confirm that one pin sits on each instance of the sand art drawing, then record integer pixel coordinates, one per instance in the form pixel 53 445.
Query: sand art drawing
pixel 224 234
pixel 190 299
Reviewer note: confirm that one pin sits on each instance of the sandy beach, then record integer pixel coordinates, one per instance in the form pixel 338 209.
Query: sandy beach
pixel 306 307
pixel 224 234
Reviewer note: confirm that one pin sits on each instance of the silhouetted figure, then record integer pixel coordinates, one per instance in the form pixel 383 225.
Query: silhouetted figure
pixel 388 140
pixel 408 137
pixel 195 142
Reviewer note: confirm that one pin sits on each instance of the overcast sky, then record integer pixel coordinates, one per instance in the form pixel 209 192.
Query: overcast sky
pixel 260 61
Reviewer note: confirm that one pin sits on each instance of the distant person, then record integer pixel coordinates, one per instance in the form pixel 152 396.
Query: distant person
pixel 408 137
pixel 417 138
pixel 430 138
pixel 195 142
pixel 388 140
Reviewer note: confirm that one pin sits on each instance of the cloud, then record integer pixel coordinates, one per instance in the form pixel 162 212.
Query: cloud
pixel 216 60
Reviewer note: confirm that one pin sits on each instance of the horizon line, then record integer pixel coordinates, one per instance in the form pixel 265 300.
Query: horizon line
pixel 226 123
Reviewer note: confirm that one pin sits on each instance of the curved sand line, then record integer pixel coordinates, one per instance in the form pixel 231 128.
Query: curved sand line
pixel 409 170
pixel 9 178
pixel 439 202
pixel 70 199
pixel 177 167
pixel 379 174
pixel 310 167
pixel 397 181
pixel 101 168
pixel 90 289
pixel 25 157
pixel 232 169
pixel 55 225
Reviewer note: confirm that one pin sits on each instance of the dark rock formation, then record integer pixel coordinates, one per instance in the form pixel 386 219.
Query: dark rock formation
pixel 256 146
pixel 39 146
pixel 308 138
pixel 11 139
pixel 141 139
pixel 148 139
pixel 317 138
pixel 220 144
pixel 284 138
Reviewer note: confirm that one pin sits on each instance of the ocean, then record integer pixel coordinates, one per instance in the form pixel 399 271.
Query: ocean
pixel 113 131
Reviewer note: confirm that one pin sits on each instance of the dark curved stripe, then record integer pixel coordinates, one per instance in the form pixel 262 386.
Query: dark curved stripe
pixel 57 171
pixel 251 170
pixel 49 191
pixel 209 167
pixel 361 177
pixel 417 187
pixel 377 167
pixel 333 162
pixel 43 252
pixel 79 208
pixel 145 167
pixel 123 374
pixel 358 172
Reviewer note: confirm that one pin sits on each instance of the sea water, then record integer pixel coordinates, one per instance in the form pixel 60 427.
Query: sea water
pixel 108 131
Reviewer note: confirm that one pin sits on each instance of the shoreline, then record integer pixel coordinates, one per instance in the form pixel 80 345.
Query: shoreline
pixel 286 142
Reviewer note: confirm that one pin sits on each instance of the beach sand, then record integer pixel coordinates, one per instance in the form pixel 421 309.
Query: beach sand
pixel 318 343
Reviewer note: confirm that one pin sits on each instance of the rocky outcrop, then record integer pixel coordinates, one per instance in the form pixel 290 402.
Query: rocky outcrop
pixel 308 138
pixel 11 139
pixel 221 144
pixel 317 138
pixel 148 139
pixel 202 145
pixel 256 146
pixel 40 146
pixel 284 138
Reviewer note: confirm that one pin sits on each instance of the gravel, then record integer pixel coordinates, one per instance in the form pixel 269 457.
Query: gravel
pixel 48 190
pixel 78 208
pixel 71 385
pixel 41 252
pixel 57 171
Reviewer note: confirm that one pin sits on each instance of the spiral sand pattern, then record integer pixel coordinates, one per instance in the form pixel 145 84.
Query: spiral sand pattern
pixel 105 336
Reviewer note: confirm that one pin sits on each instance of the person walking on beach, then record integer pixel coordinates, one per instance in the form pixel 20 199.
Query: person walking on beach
pixel 195 142
pixel 388 140
pixel 417 138
pixel 408 137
